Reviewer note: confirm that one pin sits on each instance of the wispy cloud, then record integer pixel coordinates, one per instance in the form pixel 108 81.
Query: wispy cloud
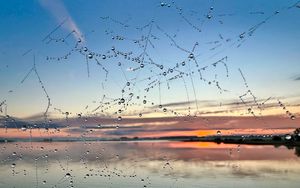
pixel 297 78
pixel 231 104
pixel 60 13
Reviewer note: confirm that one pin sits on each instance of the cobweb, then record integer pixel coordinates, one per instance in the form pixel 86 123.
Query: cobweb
pixel 139 69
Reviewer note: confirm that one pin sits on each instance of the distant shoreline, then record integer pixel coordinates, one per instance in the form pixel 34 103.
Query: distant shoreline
pixel 277 140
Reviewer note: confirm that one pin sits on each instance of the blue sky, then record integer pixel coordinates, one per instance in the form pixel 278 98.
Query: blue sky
pixel 269 59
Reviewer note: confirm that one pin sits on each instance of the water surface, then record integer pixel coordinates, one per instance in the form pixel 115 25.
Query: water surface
pixel 147 164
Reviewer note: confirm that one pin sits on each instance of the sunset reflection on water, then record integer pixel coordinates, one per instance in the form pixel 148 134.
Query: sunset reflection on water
pixel 150 164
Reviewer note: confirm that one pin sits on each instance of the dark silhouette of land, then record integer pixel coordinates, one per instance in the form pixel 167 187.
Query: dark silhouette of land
pixel 292 139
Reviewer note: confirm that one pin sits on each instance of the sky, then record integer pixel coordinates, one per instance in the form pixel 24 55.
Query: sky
pixel 121 59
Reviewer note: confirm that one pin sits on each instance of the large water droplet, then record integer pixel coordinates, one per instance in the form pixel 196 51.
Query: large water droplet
pixel 23 128
pixel 90 55
pixel 191 56
pixel 288 137
pixel 293 117
pixel 13 165
pixel 68 175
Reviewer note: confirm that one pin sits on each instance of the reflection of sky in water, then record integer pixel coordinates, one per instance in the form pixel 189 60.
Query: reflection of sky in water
pixel 154 164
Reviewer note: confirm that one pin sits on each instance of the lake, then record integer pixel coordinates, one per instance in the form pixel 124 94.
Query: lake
pixel 147 164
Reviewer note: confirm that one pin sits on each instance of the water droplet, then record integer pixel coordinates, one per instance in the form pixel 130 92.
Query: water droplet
pixel 160 106
pixel 119 118
pixel 242 35
pixel 128 83
pixel 164 109
pixel 183 63
pixel 90 56
pixel 144 101
pixel 288 137
pixel 13 165
pixel 68 175
pixel 122 100
pixel 142 65
pixel 23 128
pixel 293 117
pixel 219 132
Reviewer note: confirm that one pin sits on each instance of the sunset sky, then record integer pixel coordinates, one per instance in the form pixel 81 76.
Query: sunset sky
pixel 260 39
